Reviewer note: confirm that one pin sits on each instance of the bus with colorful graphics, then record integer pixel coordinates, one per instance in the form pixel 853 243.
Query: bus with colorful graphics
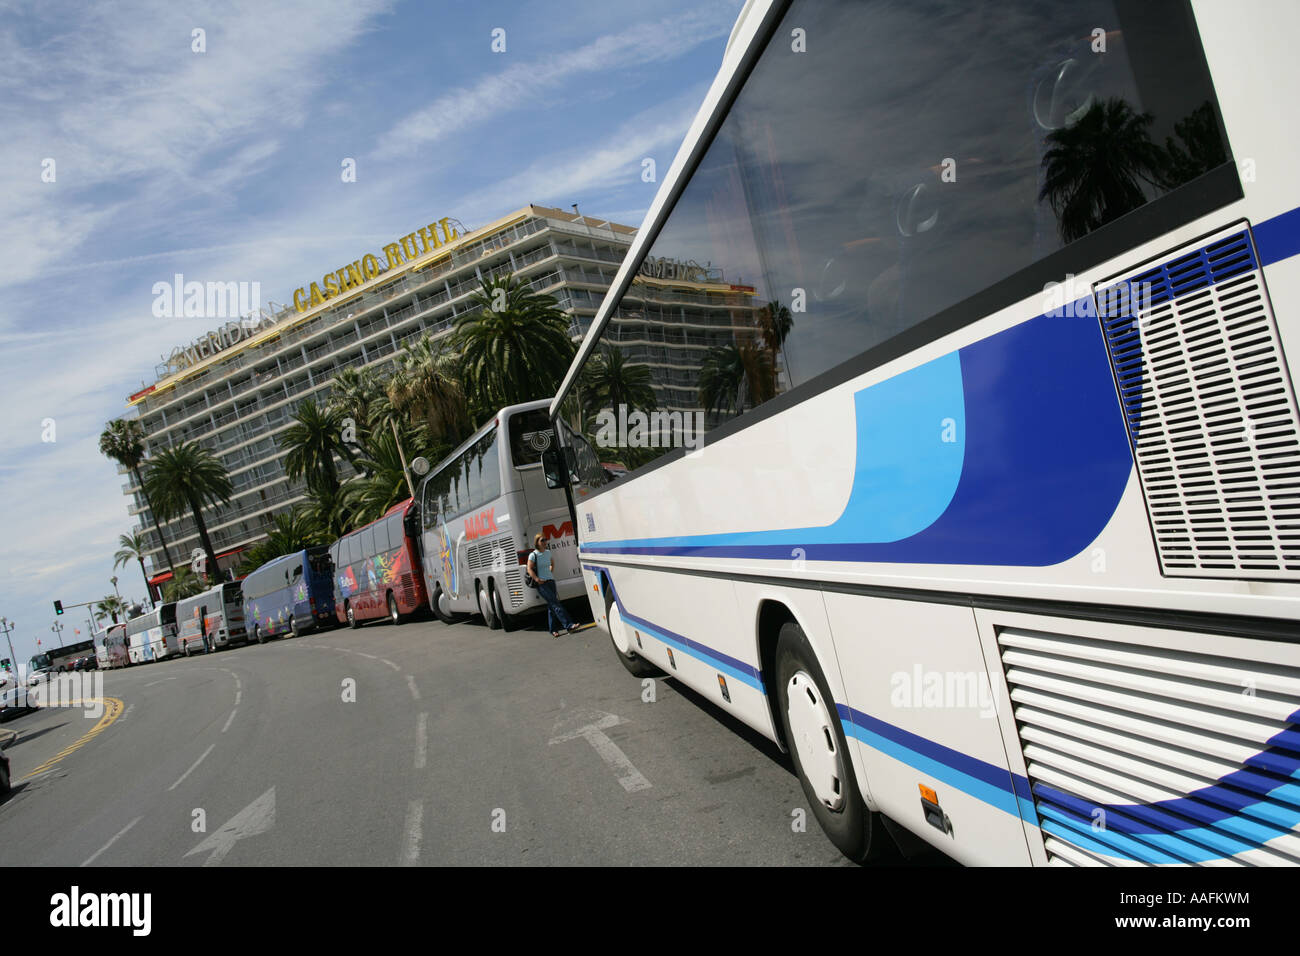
pixel 217 612
pixel 992 517
pixel 479 511
pixel 152 636
pixel 110 648
pixel 292 594
pixel 377 569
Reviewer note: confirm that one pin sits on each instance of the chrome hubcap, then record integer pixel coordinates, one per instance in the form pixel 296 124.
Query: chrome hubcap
pixel 814 738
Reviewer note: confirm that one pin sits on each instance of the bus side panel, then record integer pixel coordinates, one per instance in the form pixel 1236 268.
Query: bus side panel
pixel 693 628
pixel 914 675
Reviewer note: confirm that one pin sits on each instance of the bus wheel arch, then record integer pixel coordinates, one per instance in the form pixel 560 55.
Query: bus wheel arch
pixel 634 663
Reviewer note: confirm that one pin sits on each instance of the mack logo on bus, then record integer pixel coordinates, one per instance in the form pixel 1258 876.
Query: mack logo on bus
pixel 480 524
pixel 565 530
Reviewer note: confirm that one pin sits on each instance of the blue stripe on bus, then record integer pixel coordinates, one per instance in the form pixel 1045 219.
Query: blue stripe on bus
pixel 731 666
pixel 1043 453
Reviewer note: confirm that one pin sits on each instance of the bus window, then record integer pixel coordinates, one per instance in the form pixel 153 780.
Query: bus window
pixel 530 435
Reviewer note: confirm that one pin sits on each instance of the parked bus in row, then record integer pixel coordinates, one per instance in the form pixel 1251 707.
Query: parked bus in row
pixel 110 648
pixel 995 526
pixel 218 613
pixel 377 569
pixel 152 636
pixel 292 594
pixel 479 510
pixel 57 659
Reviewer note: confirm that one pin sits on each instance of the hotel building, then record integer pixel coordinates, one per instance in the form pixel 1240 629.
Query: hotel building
pixel 235 389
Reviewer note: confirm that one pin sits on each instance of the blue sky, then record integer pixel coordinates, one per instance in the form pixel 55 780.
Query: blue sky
pixel 225 166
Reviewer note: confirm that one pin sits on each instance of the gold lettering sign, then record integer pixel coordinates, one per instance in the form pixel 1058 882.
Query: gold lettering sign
pixel 346 278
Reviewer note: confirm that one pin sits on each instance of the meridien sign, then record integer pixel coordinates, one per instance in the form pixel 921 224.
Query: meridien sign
pixel 348 277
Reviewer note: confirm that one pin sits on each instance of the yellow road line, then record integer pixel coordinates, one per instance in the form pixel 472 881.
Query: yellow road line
pixel 113 709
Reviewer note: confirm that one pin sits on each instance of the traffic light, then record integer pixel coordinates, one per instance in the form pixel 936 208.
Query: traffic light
pixel 58 607
pixel 4 663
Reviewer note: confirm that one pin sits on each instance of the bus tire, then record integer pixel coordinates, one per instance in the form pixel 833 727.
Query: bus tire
pixel 439 595
pixel 485 608
pixel 507 622
pixel 258 635
pixel 293 627
pixel 352 616
pixel 818 749
pixel 394 614
pixel 635 664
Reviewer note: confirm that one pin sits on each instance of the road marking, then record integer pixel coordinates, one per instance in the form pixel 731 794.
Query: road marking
pixel 591 725
pixel 230 720
pixel 410 682
pixel 239 695
pixel 421 741
pixel 257 817
pixel 159 681
pixel 371 656
pixel 120 833
pixel 191 770
pixel 390 664
pixel 413 833
pixel 113 709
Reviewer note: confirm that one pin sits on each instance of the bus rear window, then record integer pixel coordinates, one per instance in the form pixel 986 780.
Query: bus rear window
pixel 530 435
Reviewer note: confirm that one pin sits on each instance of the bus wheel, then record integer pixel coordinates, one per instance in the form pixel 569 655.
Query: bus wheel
pixel 352 617
pixel 293 627
pixel 507 622
pixel 817 745
pixel 442 607
pixel 485 608
pixel 257 633
pixel 393 614
pixel 187 649
pixel 636 665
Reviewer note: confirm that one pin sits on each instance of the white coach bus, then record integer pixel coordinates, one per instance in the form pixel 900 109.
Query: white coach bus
pixel 996 522
pixel 152 636
pixel 480 509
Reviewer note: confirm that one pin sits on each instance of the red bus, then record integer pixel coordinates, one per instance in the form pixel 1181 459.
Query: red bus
pixel 377 569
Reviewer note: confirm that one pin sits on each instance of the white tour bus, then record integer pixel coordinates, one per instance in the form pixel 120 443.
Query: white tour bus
pixel 996 522
pixel 152 636
pixel 480 509
pixel 224 622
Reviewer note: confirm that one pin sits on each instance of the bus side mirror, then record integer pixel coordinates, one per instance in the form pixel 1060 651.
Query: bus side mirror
pixel 553 467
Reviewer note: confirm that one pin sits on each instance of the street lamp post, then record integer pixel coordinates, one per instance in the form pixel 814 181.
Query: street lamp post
pixel 57 628
pixel 7 626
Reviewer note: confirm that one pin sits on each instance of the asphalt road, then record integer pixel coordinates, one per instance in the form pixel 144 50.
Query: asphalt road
pixel 400 745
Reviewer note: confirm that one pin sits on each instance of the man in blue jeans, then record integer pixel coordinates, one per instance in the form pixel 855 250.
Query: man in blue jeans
pixel 539 569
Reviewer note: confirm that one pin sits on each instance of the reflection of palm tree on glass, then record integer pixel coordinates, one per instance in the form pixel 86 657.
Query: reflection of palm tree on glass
pixel 1096 168
pixel 609 381
pixel 1198 149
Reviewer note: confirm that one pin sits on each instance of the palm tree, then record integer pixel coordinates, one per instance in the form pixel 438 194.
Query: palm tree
pixel 609 381
pixel 312 441
pixel 132 549
pixel 353 395
pixel 184 583
pixel 189 476
pixel 425 388
pixel 515 347
pixel 329 513
pixel 383 482
pixel 1095 167
pixel 721 376
pixel 123 441
pixel 291 531
pixel 110 606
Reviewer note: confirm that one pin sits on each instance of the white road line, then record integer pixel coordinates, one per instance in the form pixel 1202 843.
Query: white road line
pixel 410 682
pixel 239 695
pixel 120 834
pixel 591 726
pixel 371 656
pixel 191 770
pixel 414 831
pixel 230 720
pixel 159 681
pixel 421 741
pixel 390 664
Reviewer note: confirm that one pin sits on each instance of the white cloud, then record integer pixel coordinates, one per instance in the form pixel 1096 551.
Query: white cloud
pixel 521 84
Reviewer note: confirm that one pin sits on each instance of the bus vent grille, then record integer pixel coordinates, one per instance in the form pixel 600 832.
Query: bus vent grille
pixel 515 584
pixel 1210 410
pixel 501 550
pixel 1139 755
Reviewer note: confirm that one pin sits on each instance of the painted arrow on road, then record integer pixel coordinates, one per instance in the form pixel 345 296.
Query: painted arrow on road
pixel 592 724
pixel 257 817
